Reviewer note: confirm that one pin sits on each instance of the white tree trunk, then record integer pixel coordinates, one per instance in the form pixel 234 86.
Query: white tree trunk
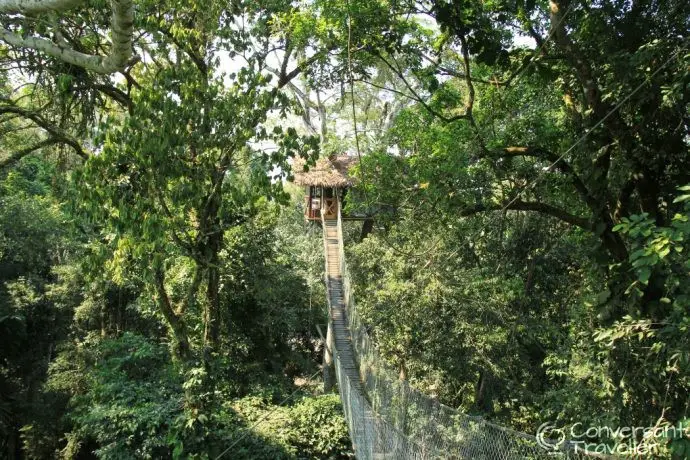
pixel 36 6
pixel 121 34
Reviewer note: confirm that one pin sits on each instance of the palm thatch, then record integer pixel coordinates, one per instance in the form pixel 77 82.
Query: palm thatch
pixel 327 172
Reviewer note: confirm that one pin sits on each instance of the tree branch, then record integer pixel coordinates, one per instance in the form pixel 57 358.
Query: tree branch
pixel 122 22
pixel 285 78
pixel 56 133
pixel 535 35
pixel 114 93
pixel 416 97
pixel 174 321
pixel 302 99
pixel 534 206
pixel 286 58
pixel 24 152
pixel 454 73
pixel 196 59
pixel 583 70
pixel 560 163
pixel 37 6
pixel 623 201
pixel 190 300
pixel 469 100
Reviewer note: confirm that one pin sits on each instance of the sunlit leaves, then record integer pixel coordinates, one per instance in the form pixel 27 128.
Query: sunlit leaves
pixel 653 244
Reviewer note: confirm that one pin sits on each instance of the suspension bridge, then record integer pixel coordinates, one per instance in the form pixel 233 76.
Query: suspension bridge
pixel 388 419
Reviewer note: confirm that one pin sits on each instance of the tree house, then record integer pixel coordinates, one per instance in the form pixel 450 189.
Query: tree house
pixel 326 184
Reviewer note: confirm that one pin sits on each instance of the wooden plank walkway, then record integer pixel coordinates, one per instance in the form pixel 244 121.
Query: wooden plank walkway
pixel 361 419
pixel 341 329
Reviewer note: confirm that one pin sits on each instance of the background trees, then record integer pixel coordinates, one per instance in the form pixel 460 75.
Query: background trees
pixel 509 181
pixel 145 279
pixel 528 260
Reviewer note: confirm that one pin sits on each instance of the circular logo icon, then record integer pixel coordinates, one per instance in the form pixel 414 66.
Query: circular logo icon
pixel 549 437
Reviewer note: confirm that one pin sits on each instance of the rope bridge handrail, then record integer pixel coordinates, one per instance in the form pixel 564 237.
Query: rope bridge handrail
pixel 387 418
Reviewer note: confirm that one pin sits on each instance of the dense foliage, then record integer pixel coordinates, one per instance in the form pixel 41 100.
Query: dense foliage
pixel 535 202
pixel 525 174
pixel 87 366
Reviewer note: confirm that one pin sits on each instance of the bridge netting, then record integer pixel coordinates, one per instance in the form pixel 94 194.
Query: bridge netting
pixel 389 419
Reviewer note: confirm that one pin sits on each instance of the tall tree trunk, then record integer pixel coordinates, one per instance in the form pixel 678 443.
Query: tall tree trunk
pixel 367 227
pixel 212 307
pixel 612 241
pixel 177 326
pixel 211 238
pixel 482 398
pixel 212 312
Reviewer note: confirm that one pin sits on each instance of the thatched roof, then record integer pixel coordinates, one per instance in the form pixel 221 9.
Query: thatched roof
pixel 327 172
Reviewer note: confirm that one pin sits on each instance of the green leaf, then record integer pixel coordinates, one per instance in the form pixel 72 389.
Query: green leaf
pixel 603 296
pixel 643 274
pixel 178 450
